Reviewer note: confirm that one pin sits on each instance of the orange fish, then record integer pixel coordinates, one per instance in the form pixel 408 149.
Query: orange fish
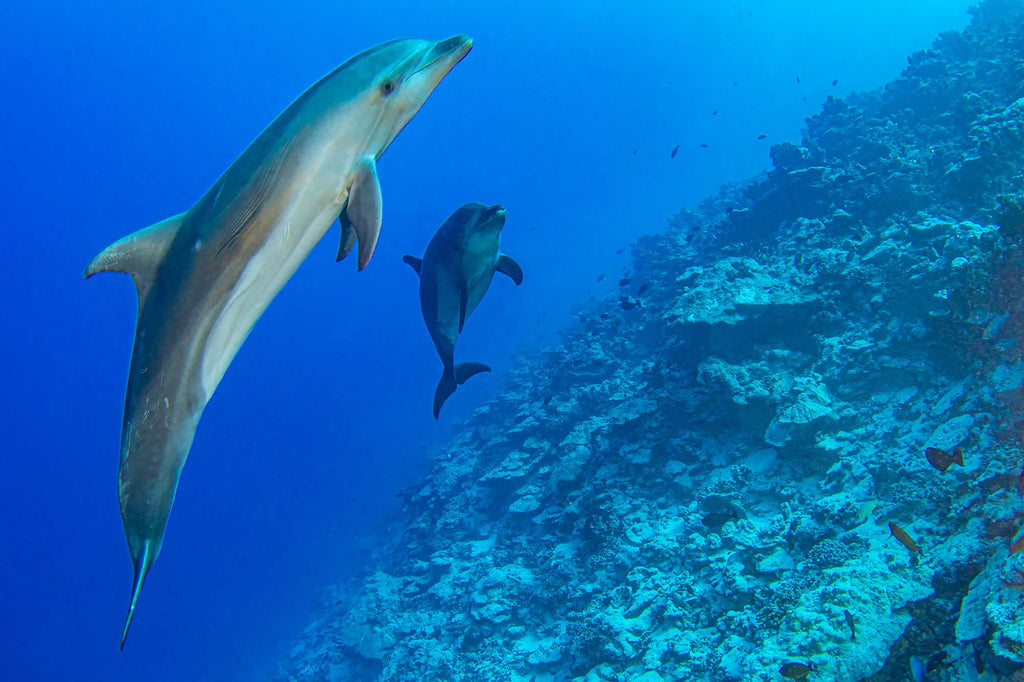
pixel 1017 546
pixel 942 460
pixel 903 537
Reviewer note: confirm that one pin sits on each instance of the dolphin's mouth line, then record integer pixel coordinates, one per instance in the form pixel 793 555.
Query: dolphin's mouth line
pixel 464 48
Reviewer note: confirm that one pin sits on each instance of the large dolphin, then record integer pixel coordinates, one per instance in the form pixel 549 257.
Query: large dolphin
pixel 206 275
pixel 455 271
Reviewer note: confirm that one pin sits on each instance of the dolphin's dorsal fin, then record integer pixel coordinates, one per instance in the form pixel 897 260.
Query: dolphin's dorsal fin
pixel 348 234
pixel 139 254
pixel 413 262
pixel 508 266
pixel 362 213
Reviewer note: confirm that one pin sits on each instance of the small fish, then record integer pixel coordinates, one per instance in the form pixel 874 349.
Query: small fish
pixel 1020 483
pixel 942 460
pixel 796 671
pixel 835 82
pixel 1017 546
pixel 798 79
pixel 916 669
pixel 865 511
pixel 624 282
pixel 547 400
pixel 703 146
pixel 761 137
pixel 600 278
pixel 621 251
pixel 627 303
pixel 715 112
pixel 674 152
pixel 634 152
pixel 689 237
pixel 641 290
pixel 605 316
pixel 850 622
pixel 904 538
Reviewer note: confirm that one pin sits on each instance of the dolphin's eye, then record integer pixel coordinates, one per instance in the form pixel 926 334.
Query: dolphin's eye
pixel 387 87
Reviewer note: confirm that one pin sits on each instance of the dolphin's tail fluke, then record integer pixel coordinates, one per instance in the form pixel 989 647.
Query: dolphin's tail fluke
pixel 142 566
pixel 452 380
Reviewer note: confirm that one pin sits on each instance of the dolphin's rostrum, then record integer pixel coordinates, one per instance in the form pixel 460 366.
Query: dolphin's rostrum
pixel 206 275
pixel 455 271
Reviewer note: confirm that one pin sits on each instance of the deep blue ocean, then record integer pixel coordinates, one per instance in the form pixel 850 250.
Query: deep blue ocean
pixel 117 115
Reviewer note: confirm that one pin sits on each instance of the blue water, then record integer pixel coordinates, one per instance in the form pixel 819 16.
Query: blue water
pixel 116 116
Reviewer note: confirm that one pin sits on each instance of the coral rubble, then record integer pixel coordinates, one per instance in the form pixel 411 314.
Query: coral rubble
pixel 700 488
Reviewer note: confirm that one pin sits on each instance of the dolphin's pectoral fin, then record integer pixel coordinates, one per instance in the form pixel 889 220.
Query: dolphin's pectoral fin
pixel 463 302
pixel 363 212
pixel 139 254
pixel 142 566
pixel 508 266
pixel 348 234
pixel 413 262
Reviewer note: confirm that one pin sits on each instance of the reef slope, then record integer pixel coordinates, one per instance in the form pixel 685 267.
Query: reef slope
pixel 698 489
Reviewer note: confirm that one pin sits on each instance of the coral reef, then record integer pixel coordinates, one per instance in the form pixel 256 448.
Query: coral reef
pixel 700 489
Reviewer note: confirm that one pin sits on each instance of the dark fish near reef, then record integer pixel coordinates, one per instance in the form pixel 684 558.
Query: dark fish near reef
pixel 600 278
pixel 903 537
pixel 641 290
pixel 674 152
pixel 455 273
pixel 605 316
pixel 942 460
pixel 620 251
pixel 997 482
pixel 205 276
pixel 1017 546
pixel 835 82
pixel 627 303
pixel 624 282
pixel 850 622
pixel 761 137
pixel 719 518
pixel 796 671
pixel 1020 483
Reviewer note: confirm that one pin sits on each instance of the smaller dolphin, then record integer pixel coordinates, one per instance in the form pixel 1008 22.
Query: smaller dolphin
pixel 455 271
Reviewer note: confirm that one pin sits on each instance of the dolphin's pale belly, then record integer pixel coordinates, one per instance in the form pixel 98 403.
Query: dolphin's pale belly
pixel 295 233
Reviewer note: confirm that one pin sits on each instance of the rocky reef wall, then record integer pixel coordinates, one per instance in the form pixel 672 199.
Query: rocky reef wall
pixel 699 488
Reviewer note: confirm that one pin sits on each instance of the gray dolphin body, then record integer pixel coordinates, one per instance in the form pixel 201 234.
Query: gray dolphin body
pixel 206 275
pixel 455 272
